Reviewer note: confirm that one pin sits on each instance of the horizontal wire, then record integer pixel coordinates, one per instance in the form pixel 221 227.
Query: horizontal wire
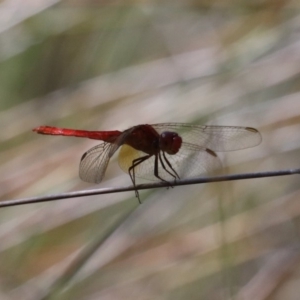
pixel 111 190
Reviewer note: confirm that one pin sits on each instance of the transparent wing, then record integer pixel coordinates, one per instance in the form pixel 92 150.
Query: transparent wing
pixel 189 162
pixel 216 138
pixel 94 162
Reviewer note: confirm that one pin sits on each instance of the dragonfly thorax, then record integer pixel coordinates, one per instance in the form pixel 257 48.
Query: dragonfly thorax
pixel 170 142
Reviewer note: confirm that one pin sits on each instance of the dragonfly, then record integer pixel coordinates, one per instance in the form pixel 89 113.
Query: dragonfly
pixel 160 152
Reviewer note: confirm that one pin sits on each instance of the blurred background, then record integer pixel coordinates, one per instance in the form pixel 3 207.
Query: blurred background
pixel 109 65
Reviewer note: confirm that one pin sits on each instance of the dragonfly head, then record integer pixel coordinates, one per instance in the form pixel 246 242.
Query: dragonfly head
pixel 170 142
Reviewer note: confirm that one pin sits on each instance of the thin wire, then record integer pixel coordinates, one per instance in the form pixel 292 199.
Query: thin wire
pixel 111 190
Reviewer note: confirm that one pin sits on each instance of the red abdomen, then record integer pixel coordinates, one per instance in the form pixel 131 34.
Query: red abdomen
pixel 106 136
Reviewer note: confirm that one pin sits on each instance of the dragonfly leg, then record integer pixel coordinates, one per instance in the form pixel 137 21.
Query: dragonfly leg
pixel 163 165
pixel 157 156
pixel 135 163
pixel 176 176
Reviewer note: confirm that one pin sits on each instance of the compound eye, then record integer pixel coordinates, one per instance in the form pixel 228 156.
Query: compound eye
pixel 170 142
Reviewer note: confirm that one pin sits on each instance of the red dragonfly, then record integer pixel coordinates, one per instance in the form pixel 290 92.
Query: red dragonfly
pixel 166 151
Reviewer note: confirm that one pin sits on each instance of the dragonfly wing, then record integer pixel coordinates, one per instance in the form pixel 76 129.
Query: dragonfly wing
pixel 188 163
pixel 127 155
pixel 94 162
pixel 216 138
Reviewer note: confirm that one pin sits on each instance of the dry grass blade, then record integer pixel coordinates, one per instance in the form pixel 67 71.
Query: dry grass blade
pixel 7 203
